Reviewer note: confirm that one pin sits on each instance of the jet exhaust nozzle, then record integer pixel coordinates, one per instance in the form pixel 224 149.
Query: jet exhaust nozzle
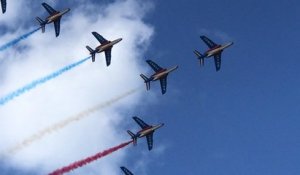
pixel 146 80
pixel 133 137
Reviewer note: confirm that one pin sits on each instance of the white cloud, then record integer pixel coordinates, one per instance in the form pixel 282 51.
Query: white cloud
pixel 77 89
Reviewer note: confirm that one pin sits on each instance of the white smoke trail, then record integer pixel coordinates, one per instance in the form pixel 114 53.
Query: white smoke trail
pixel 75 118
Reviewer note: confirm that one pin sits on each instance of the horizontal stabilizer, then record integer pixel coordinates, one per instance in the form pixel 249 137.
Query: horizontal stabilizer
pixel 92 52
pixel 133 136
pixel 146 80
pixel 200 57
pixel 42 24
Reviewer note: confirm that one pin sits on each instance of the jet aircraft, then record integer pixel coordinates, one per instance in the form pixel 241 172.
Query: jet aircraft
pixel 126 171
pixel 3 5
pixel 160 74
pixel 105 46
pixel 147 131
pixel 54 17
pixel 214 50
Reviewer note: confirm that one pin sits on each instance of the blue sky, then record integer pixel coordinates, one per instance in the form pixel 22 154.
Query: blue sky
pixel 243 119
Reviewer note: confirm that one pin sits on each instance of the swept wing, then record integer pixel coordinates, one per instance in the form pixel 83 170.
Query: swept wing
pixel 154 66
pixel 49 9
pixel 208 42
pixel 100 38
pixel 140 122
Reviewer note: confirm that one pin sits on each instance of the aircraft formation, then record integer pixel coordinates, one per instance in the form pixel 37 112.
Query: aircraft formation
pixel 161 74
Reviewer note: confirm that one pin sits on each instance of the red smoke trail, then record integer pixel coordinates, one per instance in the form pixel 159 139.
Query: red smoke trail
pixel 87 160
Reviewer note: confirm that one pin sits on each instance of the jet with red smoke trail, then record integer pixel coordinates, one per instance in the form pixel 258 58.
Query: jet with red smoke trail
pixel 160 74
pixel 147 131
pixel 215 50
pixel 3 5
pixel 54 17
pixel 105 46
pixel 126 171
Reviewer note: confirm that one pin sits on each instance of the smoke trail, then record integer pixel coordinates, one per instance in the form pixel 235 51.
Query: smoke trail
pixel 30 140
pixel 37 82
pixel 88 160
pixel 15 41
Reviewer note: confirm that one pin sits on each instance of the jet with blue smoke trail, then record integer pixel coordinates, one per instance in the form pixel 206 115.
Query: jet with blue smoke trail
pixel 3 5
pixel 105 46
pixel 54 17
pixel 40 81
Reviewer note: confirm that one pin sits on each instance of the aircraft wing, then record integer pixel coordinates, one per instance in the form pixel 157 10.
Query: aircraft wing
pixel 208 42
pixel 150 141
pixel 49 9
pixel 100 38
pixel 126 171
pixel 163 84
pixel 154 66
pixel 218 61
pixel 108 56
pixel 57 26
pixel 140 122
pixel 3 5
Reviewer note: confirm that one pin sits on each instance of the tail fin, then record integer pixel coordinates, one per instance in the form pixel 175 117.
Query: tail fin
pixel 42 24
pixel 134 138
pixel 147 81
pixel 92 52
pixel 200 57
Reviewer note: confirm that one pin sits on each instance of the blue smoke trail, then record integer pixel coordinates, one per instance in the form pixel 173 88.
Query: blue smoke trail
pixel 15 41
pixel 40 81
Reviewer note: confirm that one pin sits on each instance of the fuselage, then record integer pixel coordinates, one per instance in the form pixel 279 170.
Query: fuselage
pixel 149 130
pixel 56 16
pixel 216 50
pixel 162 73
pixel 107 45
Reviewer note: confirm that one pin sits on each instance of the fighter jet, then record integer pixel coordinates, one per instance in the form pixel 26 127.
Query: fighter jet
pixel 126 171
pixel 147 130
pixel 105 46
pixel 160 74
pixel 3 5
pixel 215 50
pixel 54 17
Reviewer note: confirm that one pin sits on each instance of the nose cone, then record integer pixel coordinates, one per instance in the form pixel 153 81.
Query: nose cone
pixel 118 40
pixel 161 125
